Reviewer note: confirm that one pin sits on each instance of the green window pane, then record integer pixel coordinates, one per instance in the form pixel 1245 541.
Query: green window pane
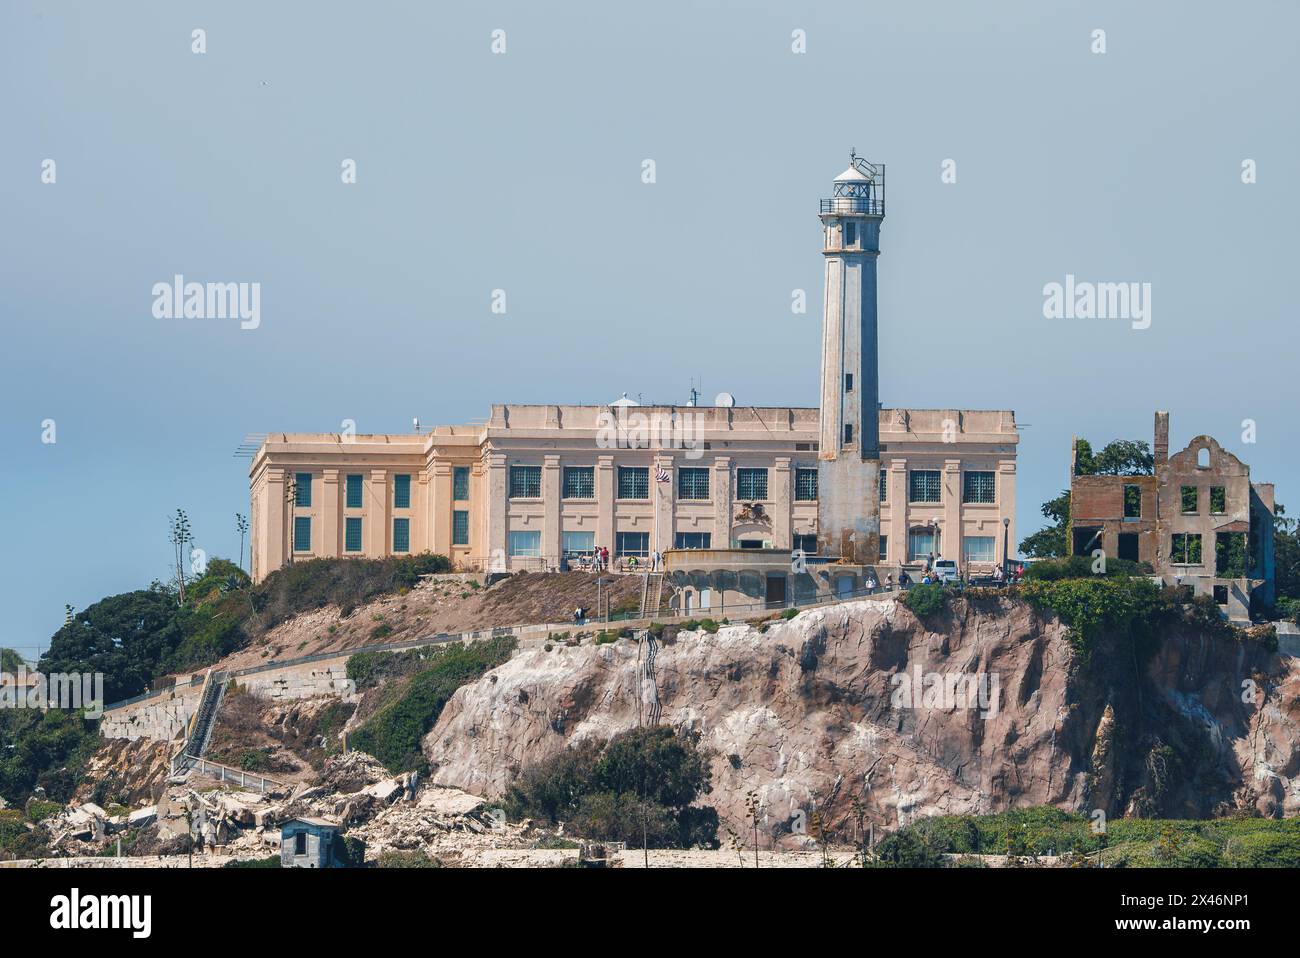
pixel 751 484
pixel 579 482
pixel 923 485
pixel 352 534
pixel 460 528
pixel 401 535
pixel 578 543
pixel 402 492
pixel 633 482
pixel 805 485
pixel 977 487
pixel 632 543
pixel 525 543
pixel 692 483
pixel 302 533
pixel 302 489
pixel 353 500
pixel 460 483
pixel 525 482
pixel 693 540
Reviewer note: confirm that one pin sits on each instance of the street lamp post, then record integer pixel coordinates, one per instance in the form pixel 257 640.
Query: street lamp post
pixel 1006 555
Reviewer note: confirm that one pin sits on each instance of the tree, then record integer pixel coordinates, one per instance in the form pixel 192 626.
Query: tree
pixel 1053 541
pixel 241 526
pixel 180 537
pixel 1124 457
pixel 10 660
pixel 126 637
pixel 1286 556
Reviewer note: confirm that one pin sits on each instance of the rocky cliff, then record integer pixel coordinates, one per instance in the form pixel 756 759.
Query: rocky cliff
pixel 866 713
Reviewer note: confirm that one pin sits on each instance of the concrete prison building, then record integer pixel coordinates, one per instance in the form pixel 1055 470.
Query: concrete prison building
pixel 853 486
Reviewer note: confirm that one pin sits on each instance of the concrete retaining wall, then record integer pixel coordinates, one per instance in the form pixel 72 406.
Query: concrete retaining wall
pixel 164 718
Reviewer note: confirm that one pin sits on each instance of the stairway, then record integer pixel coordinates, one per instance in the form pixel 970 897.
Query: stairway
pixel 205 717
pixel 652 594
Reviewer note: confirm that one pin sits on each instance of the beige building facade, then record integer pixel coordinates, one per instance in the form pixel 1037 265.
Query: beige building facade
pixel 713 489
pixel 537 485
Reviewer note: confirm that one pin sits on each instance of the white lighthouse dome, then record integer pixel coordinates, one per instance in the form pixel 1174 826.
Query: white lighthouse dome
pixel 853 175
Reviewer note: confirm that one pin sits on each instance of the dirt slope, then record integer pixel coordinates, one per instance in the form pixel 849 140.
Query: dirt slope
pixel 444 603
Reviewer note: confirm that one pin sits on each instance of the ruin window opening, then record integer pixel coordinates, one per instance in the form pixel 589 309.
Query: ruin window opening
pixel 1189 501
pixel 1230 555
pixel 1185 548
pixel 1218 500
pixel 1128 546
pixel 1202 458
pixel 1132 502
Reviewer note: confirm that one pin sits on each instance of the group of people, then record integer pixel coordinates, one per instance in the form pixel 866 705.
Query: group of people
pixel 598 561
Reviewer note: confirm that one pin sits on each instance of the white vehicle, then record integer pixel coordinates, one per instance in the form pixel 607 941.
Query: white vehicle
pixel 945 570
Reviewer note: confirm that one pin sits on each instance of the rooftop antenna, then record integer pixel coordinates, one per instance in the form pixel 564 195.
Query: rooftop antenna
pixel 416 423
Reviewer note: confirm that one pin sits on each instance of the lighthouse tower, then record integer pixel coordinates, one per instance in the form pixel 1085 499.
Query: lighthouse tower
pixel 848 512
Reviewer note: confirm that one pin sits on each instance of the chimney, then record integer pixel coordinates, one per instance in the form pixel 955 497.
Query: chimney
pixel 1161 449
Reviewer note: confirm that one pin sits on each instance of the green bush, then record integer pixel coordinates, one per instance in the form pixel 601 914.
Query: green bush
pixel 411 859
pixel 641 785
pixel 270 861
pixel 1080 567
pixel 393 733
pixel 925 600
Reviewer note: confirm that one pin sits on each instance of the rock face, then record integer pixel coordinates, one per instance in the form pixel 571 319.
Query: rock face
pixel 985 706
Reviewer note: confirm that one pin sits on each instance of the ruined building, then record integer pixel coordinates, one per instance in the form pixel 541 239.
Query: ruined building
pixel 1197 519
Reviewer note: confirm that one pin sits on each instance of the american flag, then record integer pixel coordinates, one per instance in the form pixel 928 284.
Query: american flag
pixel 662 475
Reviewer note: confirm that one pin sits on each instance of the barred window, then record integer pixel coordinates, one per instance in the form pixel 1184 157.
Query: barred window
pixel 460 528
pixel 923 485
pixel 401 535
pixel 805 485
pixel 402 491
pixel 460 483
pixel 302 534
pixel 633 482
pixel 352 534
pixel 353 500
pixel 579 482
pixel 302 489
pixel 977 487
pixel 751 484
pixel 525 482
pixel 884 484
pixel 692 483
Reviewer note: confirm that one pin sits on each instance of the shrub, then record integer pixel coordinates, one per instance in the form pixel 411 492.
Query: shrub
pixel 641 785
pixel 924 600
pixel 393 733
pixel 411 859
pixel 906 848
pixel 270 861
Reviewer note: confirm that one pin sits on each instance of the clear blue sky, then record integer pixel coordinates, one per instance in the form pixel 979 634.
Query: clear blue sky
pixel 522 172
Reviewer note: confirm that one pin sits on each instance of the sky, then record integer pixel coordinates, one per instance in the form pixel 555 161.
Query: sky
pixel 522 171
